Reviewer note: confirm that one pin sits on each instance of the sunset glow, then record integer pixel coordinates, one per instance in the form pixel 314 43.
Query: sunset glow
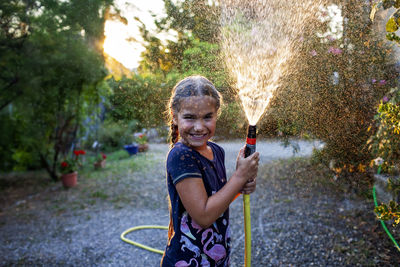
pixel 123 41
pixel 117 46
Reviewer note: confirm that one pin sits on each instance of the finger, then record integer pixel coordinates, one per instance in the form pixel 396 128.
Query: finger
pixel 241 152
pixel 251 180
pixel 256 155
pixel 249 191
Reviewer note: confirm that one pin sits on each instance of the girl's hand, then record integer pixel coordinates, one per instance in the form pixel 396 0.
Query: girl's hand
pixel 247 168
pixel 249 187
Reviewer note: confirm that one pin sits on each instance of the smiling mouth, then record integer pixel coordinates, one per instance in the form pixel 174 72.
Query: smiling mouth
pixel 198 136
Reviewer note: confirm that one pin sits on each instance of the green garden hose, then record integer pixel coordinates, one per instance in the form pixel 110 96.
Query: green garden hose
pixel 383 223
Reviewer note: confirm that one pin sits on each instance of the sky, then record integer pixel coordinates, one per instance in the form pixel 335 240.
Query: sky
pixel 116 33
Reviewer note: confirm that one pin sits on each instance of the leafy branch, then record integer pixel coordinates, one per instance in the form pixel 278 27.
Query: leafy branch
pixel 393 24
pixel 389 212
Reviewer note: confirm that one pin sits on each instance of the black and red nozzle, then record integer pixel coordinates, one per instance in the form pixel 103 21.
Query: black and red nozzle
pixel 250 141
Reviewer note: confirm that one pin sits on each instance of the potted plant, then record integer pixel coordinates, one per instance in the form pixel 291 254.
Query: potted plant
pixel 68 169
pixel 132 149
pixel 142 140
pixel 100 161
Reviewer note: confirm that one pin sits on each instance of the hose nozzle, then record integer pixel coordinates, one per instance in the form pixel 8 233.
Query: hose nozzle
pixel 250 141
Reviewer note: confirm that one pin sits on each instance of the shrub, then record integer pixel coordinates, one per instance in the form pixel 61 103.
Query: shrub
pixel 142 98
pixel 385 142
pixel 114 135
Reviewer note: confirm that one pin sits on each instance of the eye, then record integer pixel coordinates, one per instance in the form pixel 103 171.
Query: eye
pixel 188 117
pixel 209 116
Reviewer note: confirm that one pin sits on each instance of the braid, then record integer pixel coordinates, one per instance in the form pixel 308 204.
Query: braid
pixel 174 134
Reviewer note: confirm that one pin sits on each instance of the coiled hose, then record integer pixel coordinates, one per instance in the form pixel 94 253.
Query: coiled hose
pixel 139 244
pixel 166 228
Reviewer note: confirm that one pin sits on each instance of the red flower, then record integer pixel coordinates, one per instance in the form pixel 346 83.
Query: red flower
pixel 64 164
pixel 103 155
pixel 79 152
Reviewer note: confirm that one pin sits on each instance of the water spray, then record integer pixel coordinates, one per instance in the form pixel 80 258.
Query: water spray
pixel 257 40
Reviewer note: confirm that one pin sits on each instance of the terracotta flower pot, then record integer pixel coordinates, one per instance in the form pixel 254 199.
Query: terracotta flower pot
pixel 70 179
pixel 143 147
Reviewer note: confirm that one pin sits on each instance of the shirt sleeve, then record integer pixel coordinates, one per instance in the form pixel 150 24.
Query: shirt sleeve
pixel 182 164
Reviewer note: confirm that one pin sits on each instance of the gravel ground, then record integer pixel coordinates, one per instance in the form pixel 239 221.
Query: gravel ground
pixel 299 218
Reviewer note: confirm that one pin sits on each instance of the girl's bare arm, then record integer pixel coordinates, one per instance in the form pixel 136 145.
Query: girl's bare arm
pixel 206 210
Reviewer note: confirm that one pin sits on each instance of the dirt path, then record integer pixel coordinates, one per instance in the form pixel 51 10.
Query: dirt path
pixel 297 218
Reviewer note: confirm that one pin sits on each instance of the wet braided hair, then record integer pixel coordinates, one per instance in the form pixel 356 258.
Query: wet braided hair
pixel 195 85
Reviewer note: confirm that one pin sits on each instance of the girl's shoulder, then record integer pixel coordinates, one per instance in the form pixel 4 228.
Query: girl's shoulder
pixel 217 148
pixel 180 151
pixel 179 147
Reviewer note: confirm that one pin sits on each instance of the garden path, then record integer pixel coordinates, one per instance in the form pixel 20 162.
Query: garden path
pixel 297 217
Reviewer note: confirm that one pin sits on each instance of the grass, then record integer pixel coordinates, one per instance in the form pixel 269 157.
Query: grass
pixel 113 184
pixel 118 164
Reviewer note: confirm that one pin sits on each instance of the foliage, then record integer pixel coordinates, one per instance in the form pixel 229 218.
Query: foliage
pixel 141 98
pixel 190 20
pixel 203 58
pixel 69 165
pixel 115 134
pixel 385 142
pixel 155 59
pixel 390 211
pixel 50 75
pixel 333 92
pixel 101 157
pixel 200 18
pixel 393 23
pixel 231 121
pixel 141 138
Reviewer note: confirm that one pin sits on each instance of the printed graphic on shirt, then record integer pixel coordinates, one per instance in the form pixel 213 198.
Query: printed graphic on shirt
pixel 208 243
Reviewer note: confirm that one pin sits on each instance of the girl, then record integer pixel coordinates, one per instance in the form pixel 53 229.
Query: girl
pixel 198 190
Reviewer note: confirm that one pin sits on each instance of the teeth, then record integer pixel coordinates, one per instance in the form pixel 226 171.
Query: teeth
pixel 198 135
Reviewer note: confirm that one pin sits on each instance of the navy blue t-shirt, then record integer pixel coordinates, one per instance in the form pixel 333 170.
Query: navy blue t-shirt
pixel 191 245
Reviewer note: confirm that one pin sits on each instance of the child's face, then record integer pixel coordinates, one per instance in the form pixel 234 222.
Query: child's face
pixel 196 120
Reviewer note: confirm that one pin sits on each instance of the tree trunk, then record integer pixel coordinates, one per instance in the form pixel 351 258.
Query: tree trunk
pixel 50 170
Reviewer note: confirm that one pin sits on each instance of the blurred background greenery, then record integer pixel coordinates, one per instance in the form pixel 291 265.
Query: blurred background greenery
pixel 59 91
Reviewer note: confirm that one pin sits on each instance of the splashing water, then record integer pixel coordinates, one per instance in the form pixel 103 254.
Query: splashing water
pixel 257 39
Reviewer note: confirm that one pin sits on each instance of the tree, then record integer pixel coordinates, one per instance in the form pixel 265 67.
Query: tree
pixel 52 76
pixel 190 20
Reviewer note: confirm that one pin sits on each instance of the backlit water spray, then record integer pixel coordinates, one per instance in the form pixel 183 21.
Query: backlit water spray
pixel 257 40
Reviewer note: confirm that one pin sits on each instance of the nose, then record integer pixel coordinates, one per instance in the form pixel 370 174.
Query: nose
pixel 198 125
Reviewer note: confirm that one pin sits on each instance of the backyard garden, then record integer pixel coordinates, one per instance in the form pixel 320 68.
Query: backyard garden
pixel 84 139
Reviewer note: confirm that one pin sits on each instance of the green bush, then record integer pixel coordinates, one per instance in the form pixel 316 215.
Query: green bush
pixel 385 143
pixel 142 98
pixel 114 135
